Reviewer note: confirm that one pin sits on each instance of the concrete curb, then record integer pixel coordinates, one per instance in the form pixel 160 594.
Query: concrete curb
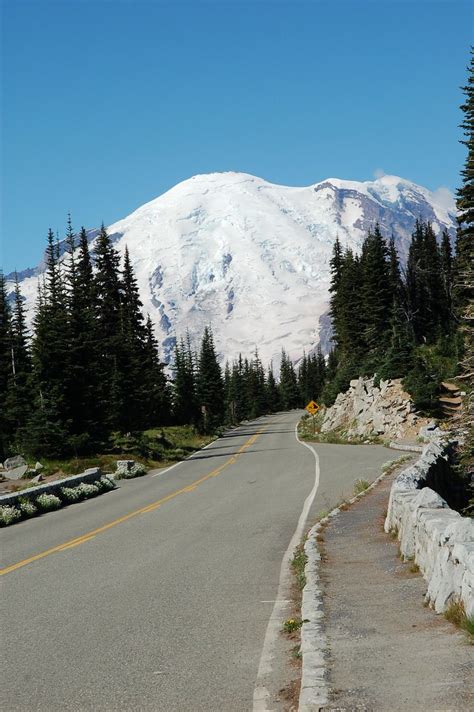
pixel 406 448
pixel 315 690
pixel 90 475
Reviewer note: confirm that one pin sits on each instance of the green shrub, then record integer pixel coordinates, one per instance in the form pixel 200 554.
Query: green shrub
pixel 27 508
pixel 71 494
pixel 106 483
pixel 47 502
pixel 87 490
pixel 9 515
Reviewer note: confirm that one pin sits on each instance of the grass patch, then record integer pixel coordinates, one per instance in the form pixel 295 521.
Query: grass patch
pixel 414 568
pixel 322 514
pixel 360 486
pixel 456 614
pixel 152 448
pixel 298 564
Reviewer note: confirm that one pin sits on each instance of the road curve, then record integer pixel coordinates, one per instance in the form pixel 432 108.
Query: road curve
pixel 157 596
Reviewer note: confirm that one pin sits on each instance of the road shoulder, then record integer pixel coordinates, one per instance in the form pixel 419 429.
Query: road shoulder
pixel 385 650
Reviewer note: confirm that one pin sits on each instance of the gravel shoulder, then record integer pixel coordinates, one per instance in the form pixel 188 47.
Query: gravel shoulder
pixel 386 650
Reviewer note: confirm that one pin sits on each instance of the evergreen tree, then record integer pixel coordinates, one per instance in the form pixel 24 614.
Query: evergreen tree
pixel 447 279
pixel 463 290
pixel 155 396
pixel 376 293
pixel 52 373
pixel 130 353
pixel 465 201
pixel 400 356
pixel 210 387
pixel 237 392
pixel 257 389
pixel 273 395
pixel 350 339
pixel 87 389
pixel 5 365
pixel 18 399
pixel 184 385
pixel 336 265
pixel 289 392
pixel 108 321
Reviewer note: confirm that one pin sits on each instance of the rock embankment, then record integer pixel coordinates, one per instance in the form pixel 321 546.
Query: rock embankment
pixel 367 410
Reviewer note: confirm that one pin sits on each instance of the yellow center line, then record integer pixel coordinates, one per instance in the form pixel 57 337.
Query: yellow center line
pixel 143 510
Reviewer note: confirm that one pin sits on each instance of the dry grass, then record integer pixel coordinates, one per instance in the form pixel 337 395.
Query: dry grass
pixel 456 614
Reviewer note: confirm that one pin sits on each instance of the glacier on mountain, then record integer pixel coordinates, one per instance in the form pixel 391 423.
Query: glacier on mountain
pixel 251 258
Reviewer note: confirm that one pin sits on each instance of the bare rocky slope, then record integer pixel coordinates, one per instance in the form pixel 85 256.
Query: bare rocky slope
pixel 365 410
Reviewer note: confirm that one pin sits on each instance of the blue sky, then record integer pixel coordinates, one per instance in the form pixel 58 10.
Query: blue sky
pixel 108 104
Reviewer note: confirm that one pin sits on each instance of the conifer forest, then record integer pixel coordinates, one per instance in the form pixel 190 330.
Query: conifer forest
pixel 91 369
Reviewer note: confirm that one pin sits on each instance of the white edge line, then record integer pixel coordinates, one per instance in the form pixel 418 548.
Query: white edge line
pixel 261 695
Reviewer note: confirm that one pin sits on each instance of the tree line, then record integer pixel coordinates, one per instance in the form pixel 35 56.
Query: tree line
pixel 91 367
pixel 397 323
pixel 415 323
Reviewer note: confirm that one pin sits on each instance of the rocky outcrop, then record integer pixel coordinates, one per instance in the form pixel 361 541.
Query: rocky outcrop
pixel 366 410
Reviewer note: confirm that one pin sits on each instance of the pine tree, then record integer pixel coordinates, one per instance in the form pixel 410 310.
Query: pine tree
pixel 465 199
pixel 131 352
pixel 446 253
pixel 107 287
pixel 336 266
pixel 376 292
pixel 463 290
pixel 289 392
pixel 155 396
pixel 18 400
pixel 273 394
pixel 210 386
pixel 257 390
pixel 52 372
pixel 85 343
pixel 184 385
pixel 5 364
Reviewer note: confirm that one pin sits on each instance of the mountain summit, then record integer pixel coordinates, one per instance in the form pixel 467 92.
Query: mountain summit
pixel 251 258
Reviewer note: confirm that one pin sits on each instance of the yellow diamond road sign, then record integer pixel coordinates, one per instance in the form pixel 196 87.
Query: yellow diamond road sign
pixel 312 407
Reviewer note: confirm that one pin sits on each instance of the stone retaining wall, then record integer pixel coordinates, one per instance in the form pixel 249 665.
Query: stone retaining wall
pixel 90 475
pixel 437 538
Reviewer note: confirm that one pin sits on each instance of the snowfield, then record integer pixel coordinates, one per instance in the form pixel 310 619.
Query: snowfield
pixel 251 258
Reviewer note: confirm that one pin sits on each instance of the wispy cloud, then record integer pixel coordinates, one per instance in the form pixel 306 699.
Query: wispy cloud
pixel 379 173
pixel 444 198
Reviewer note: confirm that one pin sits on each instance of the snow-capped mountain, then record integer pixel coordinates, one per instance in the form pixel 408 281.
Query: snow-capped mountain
pixel 252 258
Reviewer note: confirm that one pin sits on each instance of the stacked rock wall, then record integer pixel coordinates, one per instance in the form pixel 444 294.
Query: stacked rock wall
pixel 436 537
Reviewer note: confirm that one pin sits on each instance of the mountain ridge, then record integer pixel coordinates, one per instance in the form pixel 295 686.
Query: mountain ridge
pixel 251 257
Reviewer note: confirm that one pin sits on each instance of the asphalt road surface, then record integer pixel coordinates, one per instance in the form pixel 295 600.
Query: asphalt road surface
pixel 158 596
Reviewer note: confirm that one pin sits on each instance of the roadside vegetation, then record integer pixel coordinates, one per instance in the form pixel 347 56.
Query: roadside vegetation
pixel 32 505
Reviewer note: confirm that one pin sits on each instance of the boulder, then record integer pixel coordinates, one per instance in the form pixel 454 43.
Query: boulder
pixel 16 473
pixel 13 462
pixel 38 467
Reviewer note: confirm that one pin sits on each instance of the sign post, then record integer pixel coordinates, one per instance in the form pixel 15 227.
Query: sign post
pixel 312 409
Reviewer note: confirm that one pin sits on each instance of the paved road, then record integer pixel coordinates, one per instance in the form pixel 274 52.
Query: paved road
pixel 166 609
